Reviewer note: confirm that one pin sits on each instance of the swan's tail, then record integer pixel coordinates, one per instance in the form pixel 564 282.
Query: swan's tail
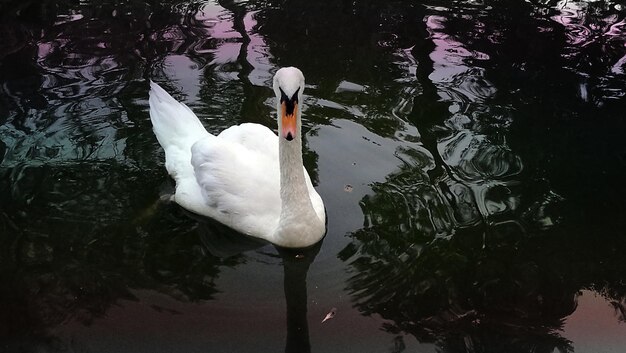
pixel 177 128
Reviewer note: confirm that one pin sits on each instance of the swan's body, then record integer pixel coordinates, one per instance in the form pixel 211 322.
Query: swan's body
pixel 246 177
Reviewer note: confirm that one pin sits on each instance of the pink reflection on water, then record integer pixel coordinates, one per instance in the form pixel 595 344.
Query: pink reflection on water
pixel 456 80
pixel 258 54
pixel 592 326
pixel 583 28
pixel 231 43
pixel 218 20
pixel 225 53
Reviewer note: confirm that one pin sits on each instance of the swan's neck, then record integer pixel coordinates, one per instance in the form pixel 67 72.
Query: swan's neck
pixel 292 182
pixel 298 219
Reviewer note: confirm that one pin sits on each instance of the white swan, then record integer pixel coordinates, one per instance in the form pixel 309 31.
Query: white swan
pixel 246 177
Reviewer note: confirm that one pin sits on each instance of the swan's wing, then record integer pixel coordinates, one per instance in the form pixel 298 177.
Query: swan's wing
pixel 223 170
pixel 177 128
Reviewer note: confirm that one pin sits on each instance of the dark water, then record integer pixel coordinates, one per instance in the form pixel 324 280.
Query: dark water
pixel 471 157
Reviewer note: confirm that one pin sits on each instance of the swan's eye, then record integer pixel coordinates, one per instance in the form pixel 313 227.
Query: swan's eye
pixel 283 96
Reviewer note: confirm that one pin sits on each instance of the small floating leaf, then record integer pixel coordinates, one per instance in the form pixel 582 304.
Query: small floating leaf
pixel 330 315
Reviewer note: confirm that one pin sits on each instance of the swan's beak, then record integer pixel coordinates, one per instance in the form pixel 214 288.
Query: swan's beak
pixel 289 112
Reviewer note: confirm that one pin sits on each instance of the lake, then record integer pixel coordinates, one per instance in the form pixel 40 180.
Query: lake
pixel 470 154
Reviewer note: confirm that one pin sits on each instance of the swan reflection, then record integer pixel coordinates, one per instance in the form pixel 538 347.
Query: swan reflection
pixel 295 262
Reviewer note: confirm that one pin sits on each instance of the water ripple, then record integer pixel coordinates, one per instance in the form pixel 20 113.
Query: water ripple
pixel 596 36
pixel 476 157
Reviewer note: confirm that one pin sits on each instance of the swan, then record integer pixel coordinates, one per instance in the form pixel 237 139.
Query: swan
pixel 247 177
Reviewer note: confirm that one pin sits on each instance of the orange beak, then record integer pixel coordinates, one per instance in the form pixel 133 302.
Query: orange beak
pixel 288 121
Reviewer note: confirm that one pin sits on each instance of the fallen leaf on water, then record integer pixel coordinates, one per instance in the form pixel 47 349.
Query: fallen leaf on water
pixel 330 315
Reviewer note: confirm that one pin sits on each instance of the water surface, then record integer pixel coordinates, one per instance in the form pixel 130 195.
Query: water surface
pixel 470 156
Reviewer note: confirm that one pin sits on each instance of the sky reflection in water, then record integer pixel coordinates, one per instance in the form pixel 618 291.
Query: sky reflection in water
pixel 469 156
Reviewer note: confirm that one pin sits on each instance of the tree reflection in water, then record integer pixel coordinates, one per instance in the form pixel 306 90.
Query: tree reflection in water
pixel 470 246
pixel 483 287
pixel 80 255
pixel 77 234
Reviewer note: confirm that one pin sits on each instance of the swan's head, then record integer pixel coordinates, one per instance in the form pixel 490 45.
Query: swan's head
pixel 288 87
